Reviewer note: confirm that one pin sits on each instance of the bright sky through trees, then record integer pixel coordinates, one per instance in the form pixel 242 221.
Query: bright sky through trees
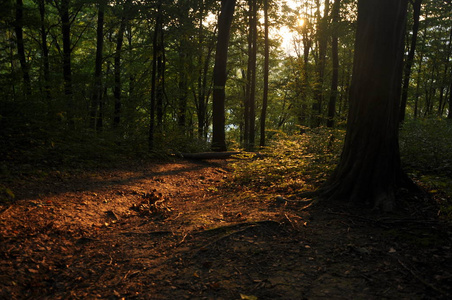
pixel 286 34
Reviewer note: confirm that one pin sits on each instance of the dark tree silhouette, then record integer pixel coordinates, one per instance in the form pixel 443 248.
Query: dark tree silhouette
pixel 410 58
pixel 97 90
pixel 369 171
pixel 266 71
pixel 220 75
pixel 18 26
pixel 335 58
pixel 67 60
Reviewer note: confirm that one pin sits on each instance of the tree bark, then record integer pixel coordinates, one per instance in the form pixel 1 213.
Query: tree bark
pixel 183 84
pixel 220 75
pixel 335 57
pixel 67 68
pixel 202 97
pixel 266 71
pixel 250 140
pixel 156 58
pixel 449 114
pixel 410 58
pixel 322 42
pixel 18 27
pixel 97 90
pixel 117 71
pixel 45 51
pixel 183 69
pixel 369 171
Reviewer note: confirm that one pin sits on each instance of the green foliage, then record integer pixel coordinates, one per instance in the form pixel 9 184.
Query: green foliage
pixel 426 146
pixel 296 163
pixel 6 195
pixel 176 142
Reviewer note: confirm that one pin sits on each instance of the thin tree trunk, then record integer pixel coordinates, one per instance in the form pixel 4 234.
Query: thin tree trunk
pixel 335 57
pixel 183 85
pixel 156 52
pixel 117 71
pixel 252 100
pixel 220 75
pixel 202 89
pixel 307 44
pixel 200 99
pixel 18 27
pixel 161 65
pixel 67 69
pixel 447 76
pixel 449 114
pixel 410 58
pixel 322 38
pixel 45 52
pixel 266 71
pixel 249 70
pixel 97 90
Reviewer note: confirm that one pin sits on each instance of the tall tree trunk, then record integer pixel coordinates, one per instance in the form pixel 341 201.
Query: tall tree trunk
pixel 322 41
pixel 67 69
pixel 266 71
pixel 45 52
pixel 249 70
pixel 335 57
pixel 449 114
pixel 369 171
pixel 100 115
pixel 117 71
pixel 410 58
pixel 161 65
pixel 201 99
pixel 447 77
pixel 183 84
pixel 97 89
pixel 220 75
pixel 252 95
pixel 18 27
pixel 156 53
pixel 132 74
pixel 307 44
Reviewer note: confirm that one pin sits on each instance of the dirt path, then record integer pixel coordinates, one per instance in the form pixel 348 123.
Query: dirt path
pixel 179 230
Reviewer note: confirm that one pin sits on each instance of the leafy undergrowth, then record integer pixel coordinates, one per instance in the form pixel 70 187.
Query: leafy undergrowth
pixel 292 164
pixel 426 149
pixel 302 162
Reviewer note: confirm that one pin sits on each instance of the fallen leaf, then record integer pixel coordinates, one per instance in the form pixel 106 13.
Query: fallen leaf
pixel 247 297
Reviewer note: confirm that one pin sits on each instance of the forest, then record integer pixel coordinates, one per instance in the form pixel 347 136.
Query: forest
pixel 233 149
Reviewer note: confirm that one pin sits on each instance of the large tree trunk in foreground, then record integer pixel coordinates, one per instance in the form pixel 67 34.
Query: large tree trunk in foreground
pixel 220 75
pixel 369 171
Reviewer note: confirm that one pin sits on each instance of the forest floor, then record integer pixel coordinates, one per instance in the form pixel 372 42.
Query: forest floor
pixel 183 230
